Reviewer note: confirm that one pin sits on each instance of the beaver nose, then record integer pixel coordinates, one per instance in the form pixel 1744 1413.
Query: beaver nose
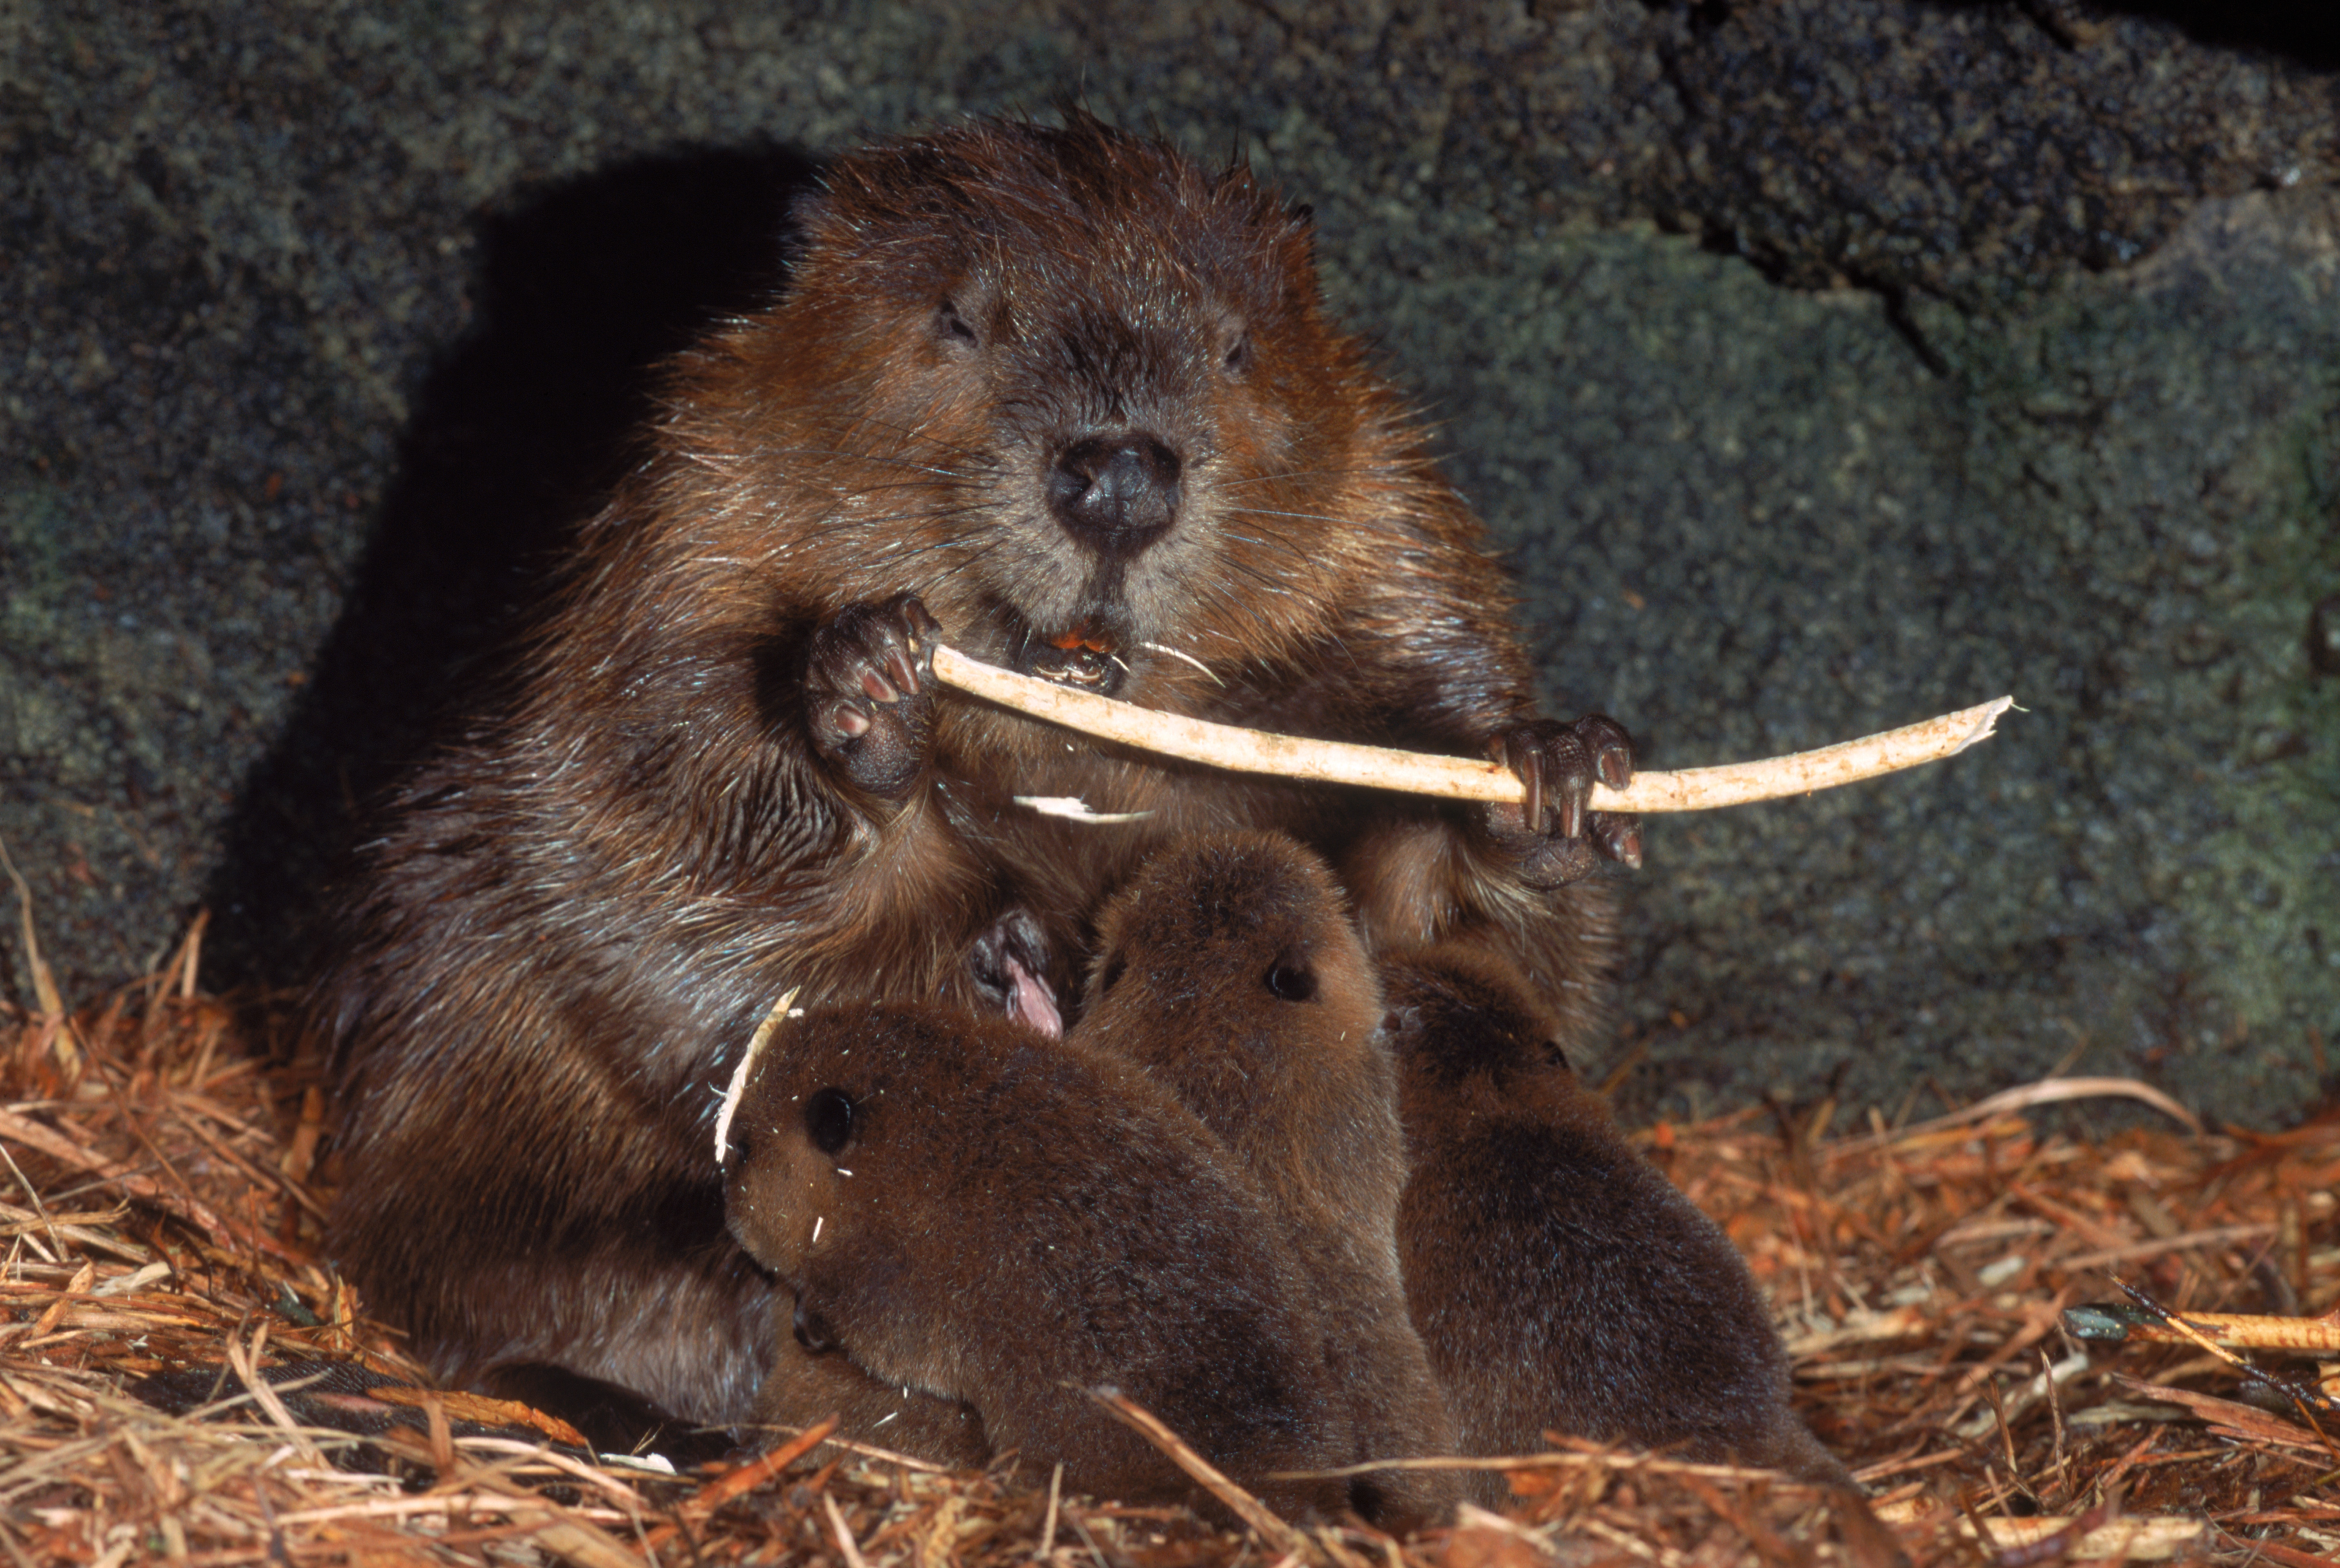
pixel 1115 493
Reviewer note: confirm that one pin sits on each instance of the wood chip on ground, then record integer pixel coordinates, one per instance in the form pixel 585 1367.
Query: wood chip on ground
pixel 162 1192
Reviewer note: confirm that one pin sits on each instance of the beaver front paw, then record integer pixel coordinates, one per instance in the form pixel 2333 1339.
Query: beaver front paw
pixel 1550 835
pixel 869 694
pixel 1011 968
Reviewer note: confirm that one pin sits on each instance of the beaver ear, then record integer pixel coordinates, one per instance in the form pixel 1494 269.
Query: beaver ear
pixel 952 327
pixel 811 1329
pixel 1231 334
pixel 1296 243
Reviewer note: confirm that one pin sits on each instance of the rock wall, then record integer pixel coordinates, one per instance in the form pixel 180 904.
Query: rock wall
pixel 1823 364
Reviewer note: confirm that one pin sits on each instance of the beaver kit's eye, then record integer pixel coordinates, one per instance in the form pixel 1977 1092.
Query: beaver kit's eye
pixel 1115 965
pixel 952 327
pixel 1292 978
pixel 828 1119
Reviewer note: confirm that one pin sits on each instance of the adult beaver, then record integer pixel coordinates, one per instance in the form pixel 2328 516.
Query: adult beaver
pixel 1067 398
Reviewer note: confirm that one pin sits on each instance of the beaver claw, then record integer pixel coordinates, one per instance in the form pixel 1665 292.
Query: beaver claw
pixel 870 693
pixel 1553 836
pixel 1009 966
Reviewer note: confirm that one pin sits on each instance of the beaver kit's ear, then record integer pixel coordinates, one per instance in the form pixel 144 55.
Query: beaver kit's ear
pixel 1457 1014
pixel 1109 973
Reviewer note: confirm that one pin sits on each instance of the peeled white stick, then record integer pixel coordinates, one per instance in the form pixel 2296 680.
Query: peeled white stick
pixel 738 1085
pixel 1461 777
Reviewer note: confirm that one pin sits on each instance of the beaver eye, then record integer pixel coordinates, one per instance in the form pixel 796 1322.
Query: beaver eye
pixel 952 327
pixel 1115 967
pixel 1239 355
pixel 828 1119
pixel 1292 979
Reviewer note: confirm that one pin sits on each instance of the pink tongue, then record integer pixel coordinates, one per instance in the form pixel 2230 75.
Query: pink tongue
pixel 1031 1003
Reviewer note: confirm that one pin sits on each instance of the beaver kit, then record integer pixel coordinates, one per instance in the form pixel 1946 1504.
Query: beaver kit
pixel 1504 1266
pixel 1229 971
pixel 1102 1237
pixel 1070 401
pixel 1557 1280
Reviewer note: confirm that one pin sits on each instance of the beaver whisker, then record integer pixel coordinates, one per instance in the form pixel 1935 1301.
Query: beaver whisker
pixel 972 559
pixel 1221 597
pixel 1393 528
pixel 1181 653
pixel 1324 517
pixel 875 524
pixel 1280 571
pixel 1294 476
pixel 919 471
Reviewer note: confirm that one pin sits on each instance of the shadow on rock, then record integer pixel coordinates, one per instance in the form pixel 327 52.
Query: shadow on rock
pixel 583 289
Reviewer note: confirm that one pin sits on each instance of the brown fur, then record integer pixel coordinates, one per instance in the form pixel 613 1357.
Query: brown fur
pixel 1556 1279
pixel 1006 1220
pixel 1230 970
pixel 803 1388
pixel 572 920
